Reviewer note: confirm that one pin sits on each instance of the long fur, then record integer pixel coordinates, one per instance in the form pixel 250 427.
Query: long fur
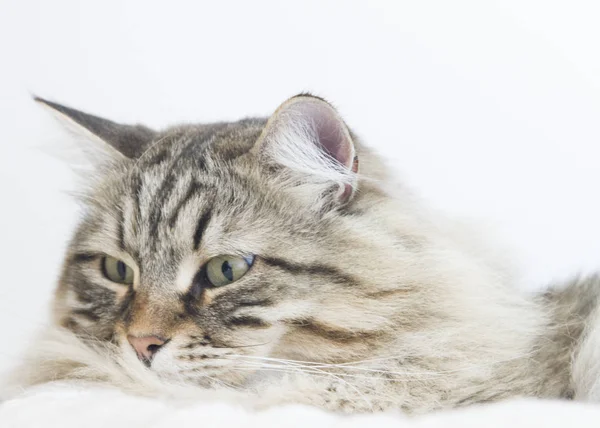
pixel 356 303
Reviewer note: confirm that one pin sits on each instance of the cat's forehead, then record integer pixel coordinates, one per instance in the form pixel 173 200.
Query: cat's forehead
pixel 192 145
pixel 194 184
pixel 194 165
pixel 197 190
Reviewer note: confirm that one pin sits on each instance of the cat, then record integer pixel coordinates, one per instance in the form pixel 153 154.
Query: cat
pixel 277 261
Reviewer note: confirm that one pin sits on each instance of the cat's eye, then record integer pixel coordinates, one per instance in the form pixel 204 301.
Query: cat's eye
pixel 223 270
pixel 116 270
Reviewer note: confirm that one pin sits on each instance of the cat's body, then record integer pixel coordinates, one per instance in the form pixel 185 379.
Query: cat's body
pixel 354 296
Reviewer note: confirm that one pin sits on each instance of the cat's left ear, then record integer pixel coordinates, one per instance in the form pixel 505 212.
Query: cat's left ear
pixel 308 138
pixel 118 141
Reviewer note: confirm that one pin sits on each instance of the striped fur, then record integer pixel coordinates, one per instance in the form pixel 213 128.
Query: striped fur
pixel 359 301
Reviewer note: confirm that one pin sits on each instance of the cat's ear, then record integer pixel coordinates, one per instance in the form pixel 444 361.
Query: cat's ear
pixel 308 138
pixel 119 141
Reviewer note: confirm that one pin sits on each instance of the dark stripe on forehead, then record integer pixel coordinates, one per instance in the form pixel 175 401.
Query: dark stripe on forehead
pixel 201 227
pixel 136 190
pixel 318 269
pixel 188 152
pixel 192 190
pixel 121 229
pixel 164 192
pixel 156 210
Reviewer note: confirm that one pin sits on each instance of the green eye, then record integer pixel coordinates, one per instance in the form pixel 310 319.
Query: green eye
pixel 116 270
pixel 223 270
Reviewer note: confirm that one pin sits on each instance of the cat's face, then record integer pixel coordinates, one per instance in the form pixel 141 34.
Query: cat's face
pixel 200 256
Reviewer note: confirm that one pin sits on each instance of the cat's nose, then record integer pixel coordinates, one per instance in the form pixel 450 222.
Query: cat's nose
pixel 146 346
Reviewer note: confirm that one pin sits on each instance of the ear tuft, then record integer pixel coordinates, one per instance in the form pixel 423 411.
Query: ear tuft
pixel 307 136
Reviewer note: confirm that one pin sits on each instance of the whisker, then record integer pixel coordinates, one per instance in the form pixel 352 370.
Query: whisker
pixel 241 346
pixel 322 372
pixel 317 373
pixel 348 366
pixel 335 376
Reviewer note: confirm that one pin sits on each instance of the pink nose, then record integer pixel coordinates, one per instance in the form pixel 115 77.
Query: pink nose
pixel 147 346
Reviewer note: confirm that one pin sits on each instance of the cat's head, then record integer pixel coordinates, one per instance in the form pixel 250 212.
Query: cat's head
pixel 202 247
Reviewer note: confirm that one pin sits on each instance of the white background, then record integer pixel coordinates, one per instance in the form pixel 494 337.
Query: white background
pixel 488 109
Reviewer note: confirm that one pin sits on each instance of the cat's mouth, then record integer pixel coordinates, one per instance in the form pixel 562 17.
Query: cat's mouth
pixel 194 362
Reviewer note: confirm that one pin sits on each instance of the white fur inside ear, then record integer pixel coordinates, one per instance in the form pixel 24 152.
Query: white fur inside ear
pixel 310 140
pixel 296 146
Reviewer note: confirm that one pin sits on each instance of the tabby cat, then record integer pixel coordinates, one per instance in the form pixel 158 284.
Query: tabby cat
pixel 276 261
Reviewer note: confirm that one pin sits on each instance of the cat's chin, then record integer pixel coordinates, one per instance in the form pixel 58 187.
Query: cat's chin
pixel 204 379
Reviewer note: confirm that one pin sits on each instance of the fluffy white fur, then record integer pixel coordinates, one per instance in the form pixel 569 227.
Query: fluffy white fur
pixel 75 405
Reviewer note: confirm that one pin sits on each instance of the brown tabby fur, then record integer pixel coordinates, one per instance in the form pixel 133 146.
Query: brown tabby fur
pixel 364 303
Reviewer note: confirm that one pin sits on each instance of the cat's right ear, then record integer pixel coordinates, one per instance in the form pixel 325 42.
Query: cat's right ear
pixel 310 141
pixel 116 141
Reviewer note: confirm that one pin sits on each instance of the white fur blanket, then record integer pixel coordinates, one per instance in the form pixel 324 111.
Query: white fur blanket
pixel 66 406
